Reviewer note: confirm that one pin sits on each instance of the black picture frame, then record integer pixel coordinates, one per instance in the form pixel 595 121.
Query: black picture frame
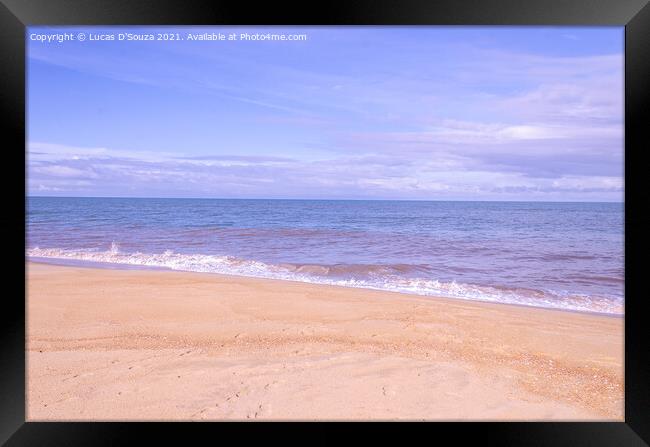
pixel 15 15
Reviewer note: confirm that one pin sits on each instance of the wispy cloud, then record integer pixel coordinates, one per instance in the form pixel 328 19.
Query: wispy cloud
pixel 370 176
pixel 362 114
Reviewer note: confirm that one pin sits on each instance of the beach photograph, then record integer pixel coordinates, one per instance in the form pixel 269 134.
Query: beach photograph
pixel 328 223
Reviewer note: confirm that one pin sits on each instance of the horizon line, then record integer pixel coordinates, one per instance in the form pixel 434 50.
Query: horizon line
pixel 323 199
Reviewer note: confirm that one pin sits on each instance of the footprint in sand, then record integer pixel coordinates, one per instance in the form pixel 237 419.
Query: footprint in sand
pixel 268 385
pixel 255 414
pixel 388 391
pixel 199 413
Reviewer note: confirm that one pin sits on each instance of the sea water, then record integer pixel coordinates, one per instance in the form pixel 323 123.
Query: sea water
pixel 557 255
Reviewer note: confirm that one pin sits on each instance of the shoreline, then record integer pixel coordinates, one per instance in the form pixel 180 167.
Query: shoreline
pixel 64 262
pixel 272 349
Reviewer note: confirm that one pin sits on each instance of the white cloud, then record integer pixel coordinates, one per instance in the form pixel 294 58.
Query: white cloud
pixel 372 176
pixel 64 172
pixel 486 121
pixel 584 182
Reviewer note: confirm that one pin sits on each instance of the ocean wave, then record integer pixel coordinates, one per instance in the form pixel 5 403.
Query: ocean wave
pixel 395 278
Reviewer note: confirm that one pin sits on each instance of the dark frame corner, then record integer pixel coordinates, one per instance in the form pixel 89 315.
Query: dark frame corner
pixel 15 15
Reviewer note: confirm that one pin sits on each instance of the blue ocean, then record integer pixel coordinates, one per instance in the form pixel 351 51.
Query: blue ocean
pixel 557 255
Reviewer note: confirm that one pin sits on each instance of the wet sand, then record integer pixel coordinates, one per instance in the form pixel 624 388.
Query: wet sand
pixel 159 345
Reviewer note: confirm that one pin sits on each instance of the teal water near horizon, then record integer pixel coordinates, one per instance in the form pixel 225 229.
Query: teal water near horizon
pixel 557 255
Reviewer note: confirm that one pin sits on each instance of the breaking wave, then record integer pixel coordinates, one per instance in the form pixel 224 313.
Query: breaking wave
pixel 395 278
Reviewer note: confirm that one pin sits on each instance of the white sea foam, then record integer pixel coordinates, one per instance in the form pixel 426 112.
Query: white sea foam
pixel 420 286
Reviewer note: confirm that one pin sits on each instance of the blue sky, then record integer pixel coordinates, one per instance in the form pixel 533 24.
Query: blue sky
pixel 418 113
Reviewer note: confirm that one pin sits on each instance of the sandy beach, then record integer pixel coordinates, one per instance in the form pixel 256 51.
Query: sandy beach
pixel 108 344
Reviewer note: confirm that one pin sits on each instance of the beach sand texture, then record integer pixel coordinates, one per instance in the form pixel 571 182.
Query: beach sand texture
pixel 107 344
